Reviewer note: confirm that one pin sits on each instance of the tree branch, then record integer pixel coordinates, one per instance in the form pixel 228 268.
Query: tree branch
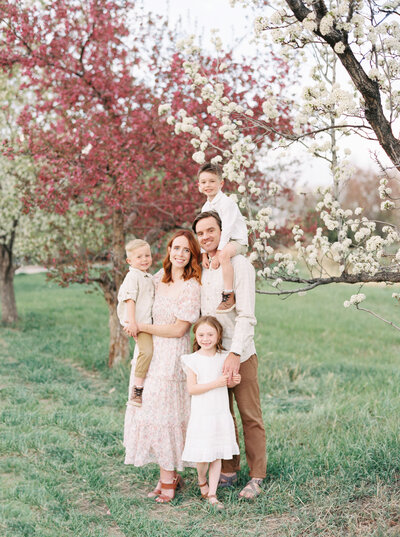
pixel 391 276
pixel 369 89
pixel 378 316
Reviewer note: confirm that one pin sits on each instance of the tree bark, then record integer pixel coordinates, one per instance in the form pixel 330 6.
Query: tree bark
pixel 9 313
pixel 119 342
pixel 369 89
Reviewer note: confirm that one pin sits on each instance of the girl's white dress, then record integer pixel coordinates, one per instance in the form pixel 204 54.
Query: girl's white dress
pixel 211 433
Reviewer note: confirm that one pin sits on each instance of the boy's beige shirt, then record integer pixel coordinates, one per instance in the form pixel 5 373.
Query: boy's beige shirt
pixel 139 287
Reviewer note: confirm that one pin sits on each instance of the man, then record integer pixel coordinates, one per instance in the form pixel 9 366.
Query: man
pixel 238 326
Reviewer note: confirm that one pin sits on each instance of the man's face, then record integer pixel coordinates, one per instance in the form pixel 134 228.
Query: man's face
pixel 208 234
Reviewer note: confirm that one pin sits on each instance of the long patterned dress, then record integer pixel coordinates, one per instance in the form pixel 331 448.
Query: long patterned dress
pixel 156 431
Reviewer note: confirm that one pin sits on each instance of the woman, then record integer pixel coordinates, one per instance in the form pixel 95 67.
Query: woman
pixel 156 431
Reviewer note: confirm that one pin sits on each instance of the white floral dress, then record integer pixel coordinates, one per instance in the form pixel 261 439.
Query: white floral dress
pixel 156 431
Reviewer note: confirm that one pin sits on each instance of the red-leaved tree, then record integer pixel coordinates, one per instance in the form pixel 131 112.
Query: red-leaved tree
pixel 93 128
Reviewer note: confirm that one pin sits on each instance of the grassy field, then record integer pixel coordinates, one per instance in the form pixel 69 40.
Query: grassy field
pixel 330 382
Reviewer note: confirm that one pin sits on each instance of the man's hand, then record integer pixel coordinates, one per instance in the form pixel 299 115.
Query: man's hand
pixel 215 263
pixel 231 366
pixel 204 260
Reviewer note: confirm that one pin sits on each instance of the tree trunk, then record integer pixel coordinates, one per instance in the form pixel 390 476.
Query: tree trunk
pixel 8 304
pixel 369 89
pixel 119 342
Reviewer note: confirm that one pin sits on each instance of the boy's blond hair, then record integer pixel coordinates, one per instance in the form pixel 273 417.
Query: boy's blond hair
pixel 135 244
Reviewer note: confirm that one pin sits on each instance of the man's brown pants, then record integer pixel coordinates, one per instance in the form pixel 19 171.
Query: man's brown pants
pixel 247 396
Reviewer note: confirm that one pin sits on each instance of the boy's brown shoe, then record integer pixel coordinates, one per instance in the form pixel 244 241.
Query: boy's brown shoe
pixel 136 396
pixel 227 303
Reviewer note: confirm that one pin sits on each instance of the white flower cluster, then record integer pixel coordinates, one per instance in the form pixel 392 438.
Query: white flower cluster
pixel 384 190
pixel 354 300
pixel 345 237
pixel 373 34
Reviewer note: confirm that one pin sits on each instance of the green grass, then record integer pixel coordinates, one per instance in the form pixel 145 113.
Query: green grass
pixel 330 383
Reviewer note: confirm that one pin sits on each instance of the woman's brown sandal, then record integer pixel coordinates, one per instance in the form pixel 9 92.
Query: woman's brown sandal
pixel 204 496
pixel 156 491
pixel 176 483
pixel 214 502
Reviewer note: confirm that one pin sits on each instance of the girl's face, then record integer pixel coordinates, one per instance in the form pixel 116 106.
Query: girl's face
pixel 206 336
pixel 179 252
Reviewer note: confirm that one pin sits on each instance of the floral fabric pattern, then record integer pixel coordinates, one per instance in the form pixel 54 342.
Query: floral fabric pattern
pixel 156 431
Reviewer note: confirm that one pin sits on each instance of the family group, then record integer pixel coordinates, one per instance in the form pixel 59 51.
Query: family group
pixel 180 408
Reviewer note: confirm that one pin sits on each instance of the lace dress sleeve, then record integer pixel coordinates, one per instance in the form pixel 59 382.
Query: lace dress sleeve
pixel 188 306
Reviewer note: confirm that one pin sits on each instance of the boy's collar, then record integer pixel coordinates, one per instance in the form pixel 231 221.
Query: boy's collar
pixel 134 268
pixel 217 195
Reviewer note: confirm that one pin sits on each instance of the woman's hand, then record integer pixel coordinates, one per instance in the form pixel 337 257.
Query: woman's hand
pixel 204 260
pixel 131 329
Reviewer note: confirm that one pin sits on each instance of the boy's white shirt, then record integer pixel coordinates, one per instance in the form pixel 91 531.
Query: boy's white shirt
pixel 233 223
pixel 139 287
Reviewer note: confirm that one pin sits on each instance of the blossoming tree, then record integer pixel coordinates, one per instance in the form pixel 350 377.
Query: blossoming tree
pixel 363 37
pixel 107 165
pixel 15 225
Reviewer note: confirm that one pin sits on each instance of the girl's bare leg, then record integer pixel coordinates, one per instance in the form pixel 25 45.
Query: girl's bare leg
pixel 202 468
pixel 213 476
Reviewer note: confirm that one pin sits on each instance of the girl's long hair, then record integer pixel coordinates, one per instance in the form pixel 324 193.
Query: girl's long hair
pixel 193 268
pixel 211 321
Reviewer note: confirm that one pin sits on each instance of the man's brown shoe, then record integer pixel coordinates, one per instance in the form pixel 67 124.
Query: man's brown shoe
pixel 227 303
pixel 136 396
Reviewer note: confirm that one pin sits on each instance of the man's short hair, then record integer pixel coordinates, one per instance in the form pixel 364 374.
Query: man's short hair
pixel 211 168
pixel 207 214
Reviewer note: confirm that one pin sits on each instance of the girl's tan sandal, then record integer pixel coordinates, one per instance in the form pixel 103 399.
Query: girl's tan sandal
pixel 214 502
pixel 201 485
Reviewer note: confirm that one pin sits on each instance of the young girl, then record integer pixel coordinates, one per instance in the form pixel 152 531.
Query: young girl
pixel 210 435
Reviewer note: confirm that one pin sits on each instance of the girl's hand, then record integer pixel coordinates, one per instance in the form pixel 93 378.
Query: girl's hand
pixel 235 380
pixel 221 381
pixel 204 260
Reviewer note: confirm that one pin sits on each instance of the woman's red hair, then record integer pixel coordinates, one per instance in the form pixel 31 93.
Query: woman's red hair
pixel 193 268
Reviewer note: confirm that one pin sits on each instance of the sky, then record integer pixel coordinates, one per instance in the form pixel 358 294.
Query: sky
pixel 236 23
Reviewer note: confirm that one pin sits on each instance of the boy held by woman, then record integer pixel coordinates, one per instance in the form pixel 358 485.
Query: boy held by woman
pixel 135 302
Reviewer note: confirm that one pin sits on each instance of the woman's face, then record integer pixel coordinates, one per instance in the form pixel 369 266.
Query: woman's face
pixel 179 252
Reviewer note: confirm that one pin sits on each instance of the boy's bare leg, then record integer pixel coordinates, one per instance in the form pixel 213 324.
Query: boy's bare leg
pixel 138 381
pixel 228 296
